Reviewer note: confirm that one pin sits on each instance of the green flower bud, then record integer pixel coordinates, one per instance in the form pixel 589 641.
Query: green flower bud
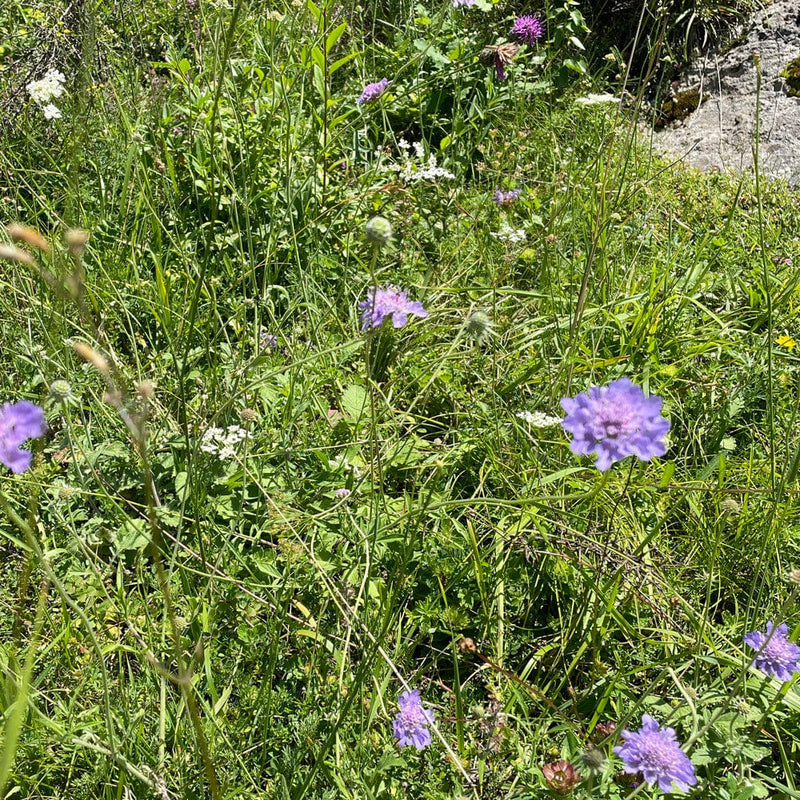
pixel 60 391
pixel 379 231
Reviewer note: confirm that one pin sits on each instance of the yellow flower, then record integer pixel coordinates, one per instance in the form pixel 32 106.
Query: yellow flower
pixel 789 342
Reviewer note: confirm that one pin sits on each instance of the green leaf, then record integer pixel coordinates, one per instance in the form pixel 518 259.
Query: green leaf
pixel 354 402
pixel 341 62
pixel 334 36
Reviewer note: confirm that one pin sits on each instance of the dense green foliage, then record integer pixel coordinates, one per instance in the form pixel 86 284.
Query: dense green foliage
pixel 185 620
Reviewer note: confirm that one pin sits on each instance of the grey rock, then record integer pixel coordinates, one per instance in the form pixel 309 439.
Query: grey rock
pixel 721 132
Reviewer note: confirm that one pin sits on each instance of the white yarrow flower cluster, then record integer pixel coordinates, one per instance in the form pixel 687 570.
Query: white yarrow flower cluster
pixel 509 234
pixel 222 442
pixel 415 167
pixel 538 419
pixel 597 99
pixel 49 88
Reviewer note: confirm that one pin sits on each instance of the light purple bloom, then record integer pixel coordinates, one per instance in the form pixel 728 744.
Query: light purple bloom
pixel 527 29
pixel 505 199
pixel 463 3
pixel 615 421
pixel 388 301
pixel 268 339
pixel 657 754
pixel 341 494
pixel 372 91
pixel 18 423
pixel 411 722
pixel 776 655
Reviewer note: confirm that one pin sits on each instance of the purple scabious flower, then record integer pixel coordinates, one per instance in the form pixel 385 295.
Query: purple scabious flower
pixel 388 301
pixel 372 91
pixel 527 29
pixel 614 422
pixel 18 423
pixel 463 3
pixel 505 199
pixel 776 655
pixel 412 720
pixel 268 339
pixel 657 754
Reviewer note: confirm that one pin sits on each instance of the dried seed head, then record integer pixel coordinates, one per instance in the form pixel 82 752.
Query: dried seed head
pixel 145 389
pixel 467 645
pixel 91 355
pixel 248 414
pixel 479 325
pixel 76 240
pixel 10 253
pixel 29 236
pixel 730 506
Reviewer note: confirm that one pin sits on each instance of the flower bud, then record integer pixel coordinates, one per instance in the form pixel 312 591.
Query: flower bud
pixel 561 777
pixel 379 231
pixel 60 390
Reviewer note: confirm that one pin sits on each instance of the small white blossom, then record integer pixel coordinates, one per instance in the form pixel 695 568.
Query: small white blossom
pixel 597 99
pixel 222 442
pixel 538 419
pixel 509 234
pixel 51 87
pixel 415 168
pixel 51 112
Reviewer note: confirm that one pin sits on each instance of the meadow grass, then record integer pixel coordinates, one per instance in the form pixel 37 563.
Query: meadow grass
pixel 252 525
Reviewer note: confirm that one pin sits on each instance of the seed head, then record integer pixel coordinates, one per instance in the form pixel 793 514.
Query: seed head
pixel 60 390
pixel 379 231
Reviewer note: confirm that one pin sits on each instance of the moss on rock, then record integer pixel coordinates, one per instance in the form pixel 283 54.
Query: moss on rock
pixel 792 76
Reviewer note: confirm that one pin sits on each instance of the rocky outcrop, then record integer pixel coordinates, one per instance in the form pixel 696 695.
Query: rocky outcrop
pixel 721 132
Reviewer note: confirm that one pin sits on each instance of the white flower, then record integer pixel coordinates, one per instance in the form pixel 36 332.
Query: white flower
pixel 51 87
pixel 415 168
pixel 538 419
pixel 509 234
pixel 222 442
pixel 596 99
pixel 51 112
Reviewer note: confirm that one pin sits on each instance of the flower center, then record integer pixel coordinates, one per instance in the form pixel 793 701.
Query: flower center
pixel 657 755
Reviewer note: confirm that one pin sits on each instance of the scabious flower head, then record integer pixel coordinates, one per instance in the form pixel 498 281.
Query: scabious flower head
pixel 342 494
pixel 463 3
pixel 776 655
pixel 268 339
pixel 479 325
pixel 388 301
pixel 372 91
pixel 527 29
pixel 657 754
pixel 614 422
pixel 18 423
pixel 378 231
pixel 412 720
pixel 505 199
pixel 61 390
